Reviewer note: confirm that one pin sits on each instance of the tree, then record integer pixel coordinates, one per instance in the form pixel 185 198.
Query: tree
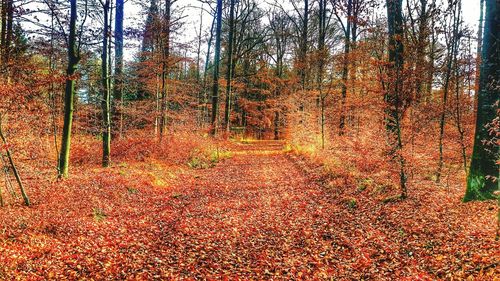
pixel 303 44
pixel 452 42
pixel 69 93
pixel 118 85
pixel 105 89
pixel 229 73
pixel 149 44
pixel 353 10
pixel 6 35
pixel 394 97
pixel 300 24
pixel 482 179
pixel 421 45
pixel 345 62
pixel 279 24
pixel 165 67
pixel 13 167
pixel 322 54
pixel 215 86
pixel 204 108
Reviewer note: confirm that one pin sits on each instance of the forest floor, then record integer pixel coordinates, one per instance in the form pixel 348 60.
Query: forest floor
pixel 261 214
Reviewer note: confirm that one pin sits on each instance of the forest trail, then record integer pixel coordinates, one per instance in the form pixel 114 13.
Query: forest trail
pixel 254 216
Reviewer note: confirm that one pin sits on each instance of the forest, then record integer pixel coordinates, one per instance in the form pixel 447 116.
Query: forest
pixel 249 140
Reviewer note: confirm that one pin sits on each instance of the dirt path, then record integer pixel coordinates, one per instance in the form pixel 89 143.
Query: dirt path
pixel 255 216
pixel 250 216
pixel 258 216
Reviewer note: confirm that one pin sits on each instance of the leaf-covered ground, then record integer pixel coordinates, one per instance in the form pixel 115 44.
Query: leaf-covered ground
pixel 261 215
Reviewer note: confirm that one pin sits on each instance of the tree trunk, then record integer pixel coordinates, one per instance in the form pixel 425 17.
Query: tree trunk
pixel 73 59
pixel 452 53
pixel 229 74
pixel 422 43
pixel 321 65
pixel 483 171
pixel 198 70
pixel 13 166
pixel 105 92
pixel 215 86
pixel 458 115
pixel 432 53
pixel 6 36
pixel 3 33
pixel 165 69
pixel 118 87
pixel 395 91
pixel 345 68
pixel 205 112
pixel 303 50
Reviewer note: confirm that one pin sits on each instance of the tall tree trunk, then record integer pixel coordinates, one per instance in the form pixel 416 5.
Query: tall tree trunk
pixel 321 65
pixel 395 91
pixel 51 93
pixel 422 42
pixel 165 69
pixel 3 32
pixel 198 50
pixel 6 36
pixel 229 73
pixel 205 112
pixel 69 93
pixel 483 171
pixel 215 86
pixel 353 67
pixel 105 93
pixel 432 51
pixel 198 70
pixel 458 113
pixel 303 49
pixel 278 27
pixel 452 54
pixel 345 68
pixel 118 86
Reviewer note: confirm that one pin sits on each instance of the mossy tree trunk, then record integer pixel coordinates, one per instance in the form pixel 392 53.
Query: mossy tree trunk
pixel 482 179
pixel 69 94
pixel 394 96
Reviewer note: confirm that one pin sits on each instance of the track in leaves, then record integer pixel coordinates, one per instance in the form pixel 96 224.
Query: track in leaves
pixel 257 215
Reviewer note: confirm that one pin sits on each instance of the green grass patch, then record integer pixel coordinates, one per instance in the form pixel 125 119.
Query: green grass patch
pixel 132 190
pixel 98 214
pixel 204 159
pixel 352 203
